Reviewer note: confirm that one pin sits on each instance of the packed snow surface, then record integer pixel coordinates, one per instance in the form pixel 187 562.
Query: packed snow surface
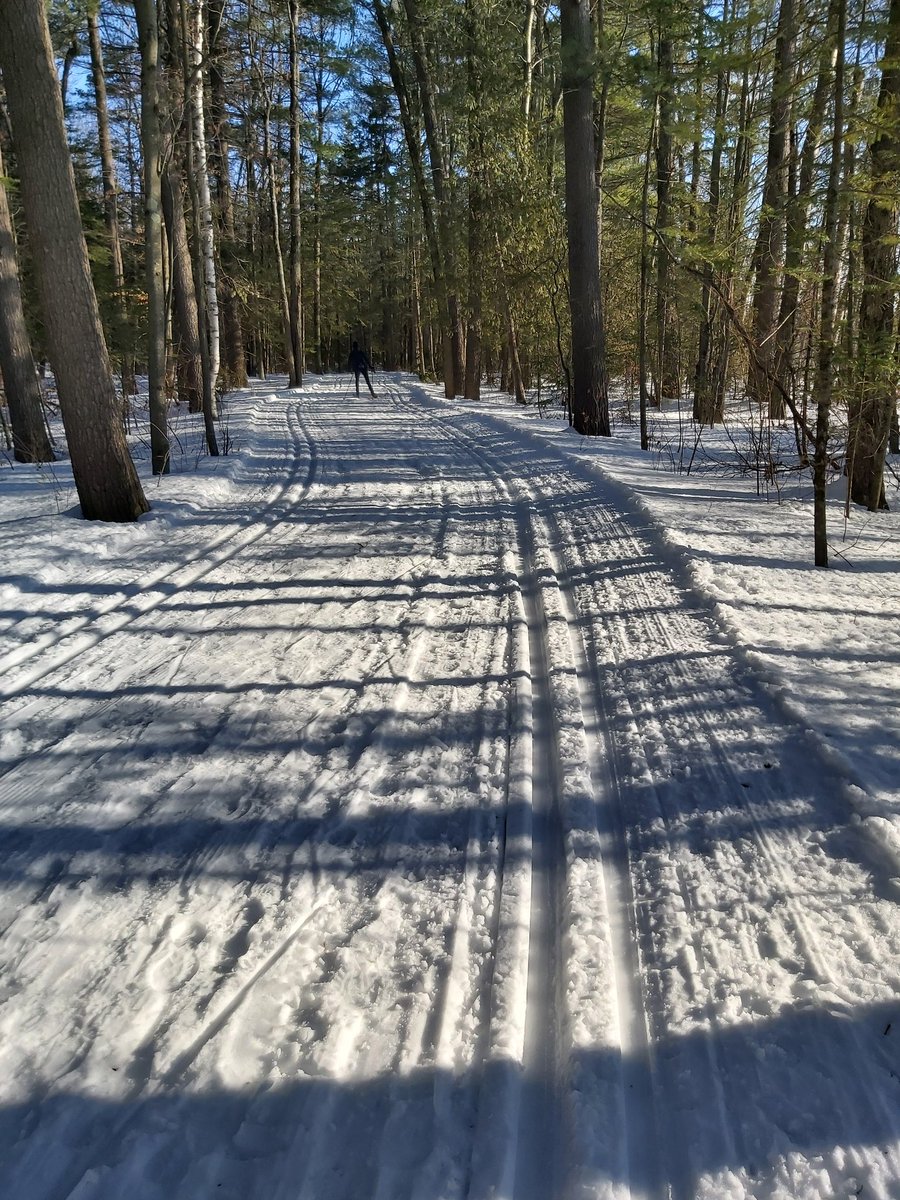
pixel 424 802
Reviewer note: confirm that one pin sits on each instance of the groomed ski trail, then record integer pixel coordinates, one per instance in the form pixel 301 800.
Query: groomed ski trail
pixel 416 835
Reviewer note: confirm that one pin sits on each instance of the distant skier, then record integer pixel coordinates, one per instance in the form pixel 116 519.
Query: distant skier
pixel 359 364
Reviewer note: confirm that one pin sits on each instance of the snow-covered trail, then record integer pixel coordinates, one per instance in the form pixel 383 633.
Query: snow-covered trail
pixel 412 832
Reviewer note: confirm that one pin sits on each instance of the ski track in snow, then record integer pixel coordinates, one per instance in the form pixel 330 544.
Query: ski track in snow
pixel 416 834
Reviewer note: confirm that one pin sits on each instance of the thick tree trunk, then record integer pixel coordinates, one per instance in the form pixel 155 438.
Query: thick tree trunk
pixel 875 392
pixel 107 483
pixel 151 138
pixel 768 257
pixel 590 408
pixel 185 315
pixel 185 320
pixel 21 384
pixel 20 381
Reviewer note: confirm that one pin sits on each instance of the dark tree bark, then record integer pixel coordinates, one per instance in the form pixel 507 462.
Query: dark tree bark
pixel 185 321
pixel 873 401
pixel 20 381
pixel 72 51
pixel 708 401
pixel 151 138
pixel 590 408
pixel 825 362
pixel 414 149
pixel 107 483
pixel 319 84
pixel 643 295
pixel 797 208
pixel 110 201
pixel 472 388
pixel 668 384
pixel 185 310
pixel 454 366
pixel 295 266
pixel 769 254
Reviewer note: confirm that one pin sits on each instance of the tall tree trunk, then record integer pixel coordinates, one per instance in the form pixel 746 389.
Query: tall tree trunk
pixel 20 381
pixel 110 201
pixel 590 407
pixel 825 365
pixel 317 200
pixel 200 182
pixel 454 367
pixel 233 357
pixel 511 368
pixel 472 389
pixel 151 139
pixel 643 293
pixel 768 258
pixel 107 483
pixel 528 57
pixel 295 271
pixel 414 150
pixel 668 383
pixel 708 407
pixel 601 106
pixel 185 320
pixel 72 51
pixel 275 211
pixel 797 206
pixel 872 403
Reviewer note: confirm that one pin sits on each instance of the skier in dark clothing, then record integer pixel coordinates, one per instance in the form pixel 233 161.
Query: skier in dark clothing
pixel 359 364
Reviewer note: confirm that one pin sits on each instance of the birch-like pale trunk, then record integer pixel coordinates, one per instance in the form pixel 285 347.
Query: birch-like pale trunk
pixel 201 181
pixel 234 361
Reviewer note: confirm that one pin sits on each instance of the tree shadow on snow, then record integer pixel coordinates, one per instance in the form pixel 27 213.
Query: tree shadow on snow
pixel 768 1100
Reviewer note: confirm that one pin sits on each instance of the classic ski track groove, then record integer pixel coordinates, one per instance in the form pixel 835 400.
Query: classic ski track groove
pixel 553 665
pixel 182 1059
pixel 817 968
pixel 637 1105
pixel 132 608
pixel 133 602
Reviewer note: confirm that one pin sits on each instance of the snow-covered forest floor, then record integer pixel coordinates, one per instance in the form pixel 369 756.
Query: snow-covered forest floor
pixel 422 801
